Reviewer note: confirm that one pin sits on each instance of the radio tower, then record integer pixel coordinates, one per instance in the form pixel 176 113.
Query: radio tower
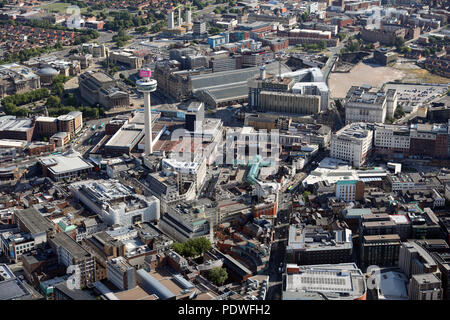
pixel 147 85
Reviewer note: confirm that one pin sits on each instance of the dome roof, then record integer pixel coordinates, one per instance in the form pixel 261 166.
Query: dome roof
pixel 47 71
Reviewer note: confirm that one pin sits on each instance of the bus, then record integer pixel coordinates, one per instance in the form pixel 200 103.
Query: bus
pixel 102 125
pixel 55 153
pixel 93 127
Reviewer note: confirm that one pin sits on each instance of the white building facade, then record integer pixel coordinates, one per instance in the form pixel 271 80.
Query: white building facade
pixel 352 143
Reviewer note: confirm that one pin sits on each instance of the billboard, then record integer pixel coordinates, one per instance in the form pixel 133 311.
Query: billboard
pixel 145 73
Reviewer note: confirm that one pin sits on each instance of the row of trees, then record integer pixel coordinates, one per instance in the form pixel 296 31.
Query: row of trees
pixel 87 36
pixel 27 97
pixel 58 101
pixel 199 4
pixel 121 38
pixel 26 54
pixel 192 247
pixel 127 81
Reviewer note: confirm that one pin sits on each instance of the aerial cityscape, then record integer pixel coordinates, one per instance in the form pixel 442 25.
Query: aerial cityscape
pixel 224 150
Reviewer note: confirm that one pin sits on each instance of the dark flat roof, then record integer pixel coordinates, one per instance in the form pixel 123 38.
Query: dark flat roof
pixel 33 220
pixel 62 239
pixel 75 294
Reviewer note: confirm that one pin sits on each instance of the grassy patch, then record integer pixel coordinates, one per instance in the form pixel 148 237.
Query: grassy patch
pixel 419 75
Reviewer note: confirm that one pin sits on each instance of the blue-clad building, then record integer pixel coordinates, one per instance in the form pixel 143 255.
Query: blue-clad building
pixel 218 40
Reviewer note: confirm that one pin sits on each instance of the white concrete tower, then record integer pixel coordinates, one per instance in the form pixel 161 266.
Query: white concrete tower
pixel 147 85
pixel 170 22
pixel 189 19
pixel 180 20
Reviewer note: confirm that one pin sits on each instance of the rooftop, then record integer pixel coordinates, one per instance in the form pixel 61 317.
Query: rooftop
pixel 325 282
pixel 353 131
pixel 314 238
pixel 33 220
pixel 66 163
pixel 63 240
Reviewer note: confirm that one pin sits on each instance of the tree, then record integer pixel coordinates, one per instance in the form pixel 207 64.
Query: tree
pixel 322 45
pixel 399 112
pixel 58 89
pixel 53 101
pixel 304 16
pixel 203 244
pixel 305 196
pixel 192 247
pixel 214 31
pixel 70 100
pixel 141 30
pixel 218 276
pixel 399 42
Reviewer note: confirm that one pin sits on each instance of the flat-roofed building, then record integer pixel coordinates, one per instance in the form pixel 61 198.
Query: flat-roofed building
pixel 314 88
pixel 429 140
pixel 313 245
pixel 65 166
pixel 70 253
pixel 71 122
pixel 18 129
pixel 306 33
pixel 62 292
pixel 414 259
pixel 363 105
pixel 46 126
pixel 121 273
pixel 38 147
pixel 377 224
pixel 352 143
pixel 124 140
pixel 425 287
pixel 15 78
pixel 170 189
pixel 324 282
pixel 98 87
pixel 193 171
pixel 286 102
pixel 60 139
pixel 116 203
pixel 182 225
pixel 13 244
pixel 350 190
pixel 32 221
pixel 380 250
pixel 384 57
pixel 392 140
pixel 11 288
pixel 130 136
pixel 126 57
